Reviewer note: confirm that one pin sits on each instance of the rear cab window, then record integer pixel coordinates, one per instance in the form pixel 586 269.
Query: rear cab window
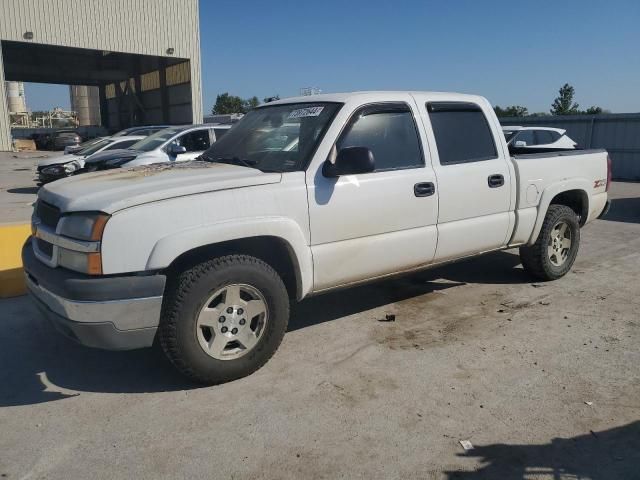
pixel 462 132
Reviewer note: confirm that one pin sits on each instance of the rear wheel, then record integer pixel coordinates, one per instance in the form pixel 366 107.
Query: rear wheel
pixel 556 247
pixel 223 319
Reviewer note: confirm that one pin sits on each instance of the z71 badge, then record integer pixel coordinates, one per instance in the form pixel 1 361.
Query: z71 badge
pixel 600 183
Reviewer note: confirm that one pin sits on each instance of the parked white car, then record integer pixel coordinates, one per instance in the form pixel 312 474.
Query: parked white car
pixel 174 144
pixel 141 131
pixel 67 164
pixel 205 256
pixel 537 138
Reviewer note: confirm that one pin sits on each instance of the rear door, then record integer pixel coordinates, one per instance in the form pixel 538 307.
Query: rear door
pixel 473 173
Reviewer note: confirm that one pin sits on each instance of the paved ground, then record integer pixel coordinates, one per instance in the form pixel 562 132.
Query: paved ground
pixel 17 186
pixel 477 352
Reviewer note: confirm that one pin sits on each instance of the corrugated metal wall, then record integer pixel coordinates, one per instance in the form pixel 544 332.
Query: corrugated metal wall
pixel 147 27
pixel 619 133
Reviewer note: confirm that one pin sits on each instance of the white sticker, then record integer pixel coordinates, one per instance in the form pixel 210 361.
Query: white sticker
pixel 306 112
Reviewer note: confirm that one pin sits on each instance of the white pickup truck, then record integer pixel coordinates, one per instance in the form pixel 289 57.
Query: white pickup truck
pixel 302 196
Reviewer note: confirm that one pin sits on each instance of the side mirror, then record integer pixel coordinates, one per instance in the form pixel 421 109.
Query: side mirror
pixel 175 149
pixel 350 161
pixel 520 143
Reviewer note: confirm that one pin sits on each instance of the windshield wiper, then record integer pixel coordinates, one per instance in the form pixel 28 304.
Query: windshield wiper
pixel 233 160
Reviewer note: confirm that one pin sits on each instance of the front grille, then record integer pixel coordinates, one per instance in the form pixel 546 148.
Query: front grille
pixel 48 214
pixel 45 247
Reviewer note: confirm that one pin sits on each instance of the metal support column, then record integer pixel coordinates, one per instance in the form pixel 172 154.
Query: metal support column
pixel 164 93
pixel 5 131
pixel 104 107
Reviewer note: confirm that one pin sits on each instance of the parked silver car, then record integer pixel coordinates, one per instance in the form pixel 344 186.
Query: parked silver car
pixel 174 144
pixel 60 166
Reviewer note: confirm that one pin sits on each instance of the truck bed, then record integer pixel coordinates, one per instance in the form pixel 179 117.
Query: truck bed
pixel 541 176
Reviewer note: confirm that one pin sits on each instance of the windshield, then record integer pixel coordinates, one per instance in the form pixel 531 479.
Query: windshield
pixel 123 133
pixel 93 148
pixel 88 143
pixel 279 138
pixel 154 141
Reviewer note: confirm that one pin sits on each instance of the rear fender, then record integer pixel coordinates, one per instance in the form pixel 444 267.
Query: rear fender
pixel 550 193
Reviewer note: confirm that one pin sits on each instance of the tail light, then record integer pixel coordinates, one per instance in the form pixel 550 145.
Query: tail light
pixel 608 173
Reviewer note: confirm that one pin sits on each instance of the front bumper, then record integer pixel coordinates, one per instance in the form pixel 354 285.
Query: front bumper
pixel 114 313
pixel 46 178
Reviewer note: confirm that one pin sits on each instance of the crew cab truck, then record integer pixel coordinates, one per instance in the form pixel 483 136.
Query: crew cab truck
pixel 205 256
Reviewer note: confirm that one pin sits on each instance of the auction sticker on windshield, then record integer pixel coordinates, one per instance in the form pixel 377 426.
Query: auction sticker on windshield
pixel 306 112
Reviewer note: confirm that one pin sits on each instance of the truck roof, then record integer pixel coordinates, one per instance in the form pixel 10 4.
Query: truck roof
pixel 374 95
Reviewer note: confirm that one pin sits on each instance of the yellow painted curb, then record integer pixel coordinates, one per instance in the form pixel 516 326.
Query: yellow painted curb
pixel 12 237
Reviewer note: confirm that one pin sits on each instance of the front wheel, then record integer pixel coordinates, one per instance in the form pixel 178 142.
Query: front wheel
pixel 556 247
pixel 223 319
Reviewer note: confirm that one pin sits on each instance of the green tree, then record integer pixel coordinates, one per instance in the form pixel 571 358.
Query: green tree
pixel 564 104
pixel 593 110
pixel 511 111
pixel 250 103
pixel 226 104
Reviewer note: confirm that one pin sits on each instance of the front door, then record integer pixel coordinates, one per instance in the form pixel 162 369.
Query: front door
pixel 369 225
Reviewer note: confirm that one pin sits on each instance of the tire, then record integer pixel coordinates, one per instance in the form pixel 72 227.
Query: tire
pixel 537 259
pixel 192 312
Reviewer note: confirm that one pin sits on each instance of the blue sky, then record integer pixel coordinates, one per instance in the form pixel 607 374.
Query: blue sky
pixel 510 52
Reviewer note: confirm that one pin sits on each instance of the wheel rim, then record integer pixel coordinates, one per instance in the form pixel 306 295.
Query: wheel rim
pixel 559 244
pixel 232 321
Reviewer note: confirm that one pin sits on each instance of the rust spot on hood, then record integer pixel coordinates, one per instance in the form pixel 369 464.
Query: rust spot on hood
pixel 153 169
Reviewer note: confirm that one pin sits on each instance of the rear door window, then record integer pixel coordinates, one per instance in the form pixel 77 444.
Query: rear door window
pixel 462 132
pixel 526 136
pixel 544 137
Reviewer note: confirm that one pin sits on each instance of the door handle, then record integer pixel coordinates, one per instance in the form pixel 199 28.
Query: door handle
pixel 424 189
pixel 495 181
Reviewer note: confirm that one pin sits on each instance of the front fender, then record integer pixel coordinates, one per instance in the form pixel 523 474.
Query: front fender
pixel 168 248
pixel 549 193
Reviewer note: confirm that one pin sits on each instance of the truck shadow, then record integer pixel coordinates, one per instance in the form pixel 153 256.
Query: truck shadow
pixel 608 455
pixel 39 365
pixel 494 268
pixel 24 190
pixel 624 210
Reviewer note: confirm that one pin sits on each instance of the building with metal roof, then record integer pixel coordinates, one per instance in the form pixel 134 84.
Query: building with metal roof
pixel 144 57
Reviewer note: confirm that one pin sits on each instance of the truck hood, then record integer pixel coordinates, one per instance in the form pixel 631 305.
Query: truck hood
pixel 112 190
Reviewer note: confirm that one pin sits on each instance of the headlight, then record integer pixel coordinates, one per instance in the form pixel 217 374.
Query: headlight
pixel 71 166
pixel 89 263
pixel 84 226
pixel 67 168
pixel 87 227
